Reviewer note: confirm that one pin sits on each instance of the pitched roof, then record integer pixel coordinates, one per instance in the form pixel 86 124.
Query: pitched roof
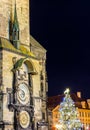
pixel 56 100
pixel 35 43
pixel 6 44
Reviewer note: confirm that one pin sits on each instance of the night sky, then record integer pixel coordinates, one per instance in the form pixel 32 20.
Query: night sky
pixel 63 28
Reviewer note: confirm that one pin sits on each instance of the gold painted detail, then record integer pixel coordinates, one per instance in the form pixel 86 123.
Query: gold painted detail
pixel 24 119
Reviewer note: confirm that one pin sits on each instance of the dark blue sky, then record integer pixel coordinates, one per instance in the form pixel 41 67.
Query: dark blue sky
pixel 63 28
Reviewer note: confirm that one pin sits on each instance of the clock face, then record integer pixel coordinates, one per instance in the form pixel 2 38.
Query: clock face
pixel 23 94
pixel 24 119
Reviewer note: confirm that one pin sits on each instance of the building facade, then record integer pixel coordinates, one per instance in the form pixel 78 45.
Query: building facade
pixel 23 79
pixel 82 105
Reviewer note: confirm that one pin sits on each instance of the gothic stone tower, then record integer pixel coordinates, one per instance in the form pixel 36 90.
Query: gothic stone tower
pixel 23 80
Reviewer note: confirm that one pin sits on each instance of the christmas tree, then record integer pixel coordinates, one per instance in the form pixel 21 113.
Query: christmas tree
pixel 68 114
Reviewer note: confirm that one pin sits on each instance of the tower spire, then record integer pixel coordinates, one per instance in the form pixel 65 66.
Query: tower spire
pixel 15 35
pixel 15 16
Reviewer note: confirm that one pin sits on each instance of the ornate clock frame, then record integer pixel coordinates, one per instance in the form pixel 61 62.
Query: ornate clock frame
pixel 21 101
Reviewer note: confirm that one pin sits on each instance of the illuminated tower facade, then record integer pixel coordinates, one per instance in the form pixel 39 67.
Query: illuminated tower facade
pixel 23 80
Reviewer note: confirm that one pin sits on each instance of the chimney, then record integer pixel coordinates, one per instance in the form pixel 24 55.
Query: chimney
pixel 83 103
pixel 88 101
pixel 79 94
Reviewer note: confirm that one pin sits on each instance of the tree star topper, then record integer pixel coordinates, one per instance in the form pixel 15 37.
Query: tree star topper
pixel 67 91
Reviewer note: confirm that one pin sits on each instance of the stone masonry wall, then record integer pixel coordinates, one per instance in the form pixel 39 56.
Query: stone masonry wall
pixel 5 8
pixel 1 103
pixel 1 67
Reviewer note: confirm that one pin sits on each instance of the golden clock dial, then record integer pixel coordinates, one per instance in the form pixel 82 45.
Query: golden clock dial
pixel 24 119
pixel 23 94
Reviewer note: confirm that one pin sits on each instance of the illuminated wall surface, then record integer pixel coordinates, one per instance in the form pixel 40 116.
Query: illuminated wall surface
pixel 23 78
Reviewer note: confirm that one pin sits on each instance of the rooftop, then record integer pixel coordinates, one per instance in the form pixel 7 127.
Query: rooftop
pixel 6 44
pixel 56 100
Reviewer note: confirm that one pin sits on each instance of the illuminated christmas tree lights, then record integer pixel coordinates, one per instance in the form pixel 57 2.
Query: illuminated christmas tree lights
pixel 68 114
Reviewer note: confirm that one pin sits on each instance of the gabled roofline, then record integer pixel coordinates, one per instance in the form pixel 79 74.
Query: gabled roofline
pixel 36 44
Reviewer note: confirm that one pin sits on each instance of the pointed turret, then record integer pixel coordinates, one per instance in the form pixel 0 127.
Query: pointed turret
pixel 15 33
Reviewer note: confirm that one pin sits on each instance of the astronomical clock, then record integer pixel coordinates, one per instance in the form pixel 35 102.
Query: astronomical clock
pixel 22 97
pixel 23 94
